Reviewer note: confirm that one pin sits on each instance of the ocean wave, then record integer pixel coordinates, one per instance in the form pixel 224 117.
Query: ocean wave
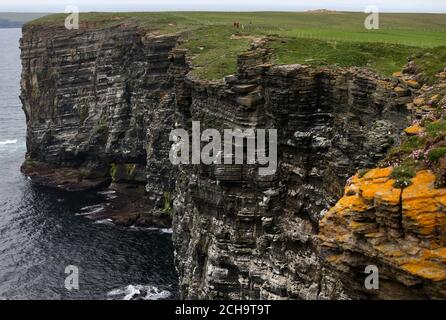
pixel 139 292
pixel 89 210
pixel 13 141
pixel 109 194
pixel 166 230
pixel 105 221
pixel 161 230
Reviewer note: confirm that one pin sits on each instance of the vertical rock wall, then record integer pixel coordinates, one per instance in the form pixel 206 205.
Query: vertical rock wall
pixel 100 105
pixel 241 235
pixel 393 220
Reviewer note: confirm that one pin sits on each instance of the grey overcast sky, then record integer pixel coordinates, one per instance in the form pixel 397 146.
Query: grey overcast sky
pixel 438 6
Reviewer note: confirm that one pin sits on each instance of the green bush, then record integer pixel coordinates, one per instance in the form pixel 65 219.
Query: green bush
pixel 436 128
pixel 437 153
pixel 407 147
pixel 168 209
pixel 402 183
pixel 403 176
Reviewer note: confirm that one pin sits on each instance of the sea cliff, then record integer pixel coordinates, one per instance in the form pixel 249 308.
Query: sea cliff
pixel 100 104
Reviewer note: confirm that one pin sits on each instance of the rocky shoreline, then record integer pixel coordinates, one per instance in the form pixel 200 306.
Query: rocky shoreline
pixel 126 206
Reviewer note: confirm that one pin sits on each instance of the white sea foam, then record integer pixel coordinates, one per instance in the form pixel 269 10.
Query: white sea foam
pixel 109 194
pixel 106 192
pixel 13 141
pixel 144 292
pixel 166 230
pixel 105 221
pixel 161 230
pixel 89 210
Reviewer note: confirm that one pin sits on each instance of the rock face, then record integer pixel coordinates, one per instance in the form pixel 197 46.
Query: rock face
pixel 100 105
pixel 401 231
pixel 393 217
pixel 241 235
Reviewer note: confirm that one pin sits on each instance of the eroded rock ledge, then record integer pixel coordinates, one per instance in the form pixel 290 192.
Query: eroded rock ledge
pixel 100 105
pixel 394 216
pixel 402 232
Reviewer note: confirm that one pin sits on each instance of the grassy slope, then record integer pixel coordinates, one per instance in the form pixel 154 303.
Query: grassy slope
pixel 311 38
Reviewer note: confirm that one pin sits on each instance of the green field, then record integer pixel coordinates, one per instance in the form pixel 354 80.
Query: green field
pixel 327 38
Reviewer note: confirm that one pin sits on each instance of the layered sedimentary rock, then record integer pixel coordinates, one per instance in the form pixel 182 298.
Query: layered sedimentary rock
pixel 100 105
pixel 401 231
pixel 394 217
pixel 241 235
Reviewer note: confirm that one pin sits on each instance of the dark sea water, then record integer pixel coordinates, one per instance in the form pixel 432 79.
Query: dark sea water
pixel 42 231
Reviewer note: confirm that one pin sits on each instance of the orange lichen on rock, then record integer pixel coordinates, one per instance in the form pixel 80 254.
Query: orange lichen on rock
pixel 359 198
pixel 419 101
pixel 437 255
pixel 400 230
pixel 360 192
pixel 400 91
pixel 405 229
pixel 390 249
pixel 351 203
pixel 414 130
pixel 378 173
pixel 423 206
pixel 377 185
pixel 426 269
pixel 413 84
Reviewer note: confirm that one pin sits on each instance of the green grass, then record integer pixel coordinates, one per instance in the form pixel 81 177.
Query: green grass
pixel 167 204
pixel 213 57
pixel 436 154
pixel 425 151
pixel 407 147
pixel 310 38
pixel 403 176
pixel 431 61
pixel 381 57
pixel 436 128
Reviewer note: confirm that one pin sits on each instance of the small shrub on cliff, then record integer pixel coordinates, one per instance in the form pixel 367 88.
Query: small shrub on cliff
pixel 403 176
pixel 113 171
pixel 436 128
pixel 407 147
pixel 167 204
pixel 430 62
pixel 440 173
pixel 83 113
pixel 436 154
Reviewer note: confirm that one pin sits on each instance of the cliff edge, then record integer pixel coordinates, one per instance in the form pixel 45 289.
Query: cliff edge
pixel 100 103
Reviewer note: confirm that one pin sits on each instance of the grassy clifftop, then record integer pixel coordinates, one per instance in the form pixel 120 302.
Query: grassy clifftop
pixel 313 38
